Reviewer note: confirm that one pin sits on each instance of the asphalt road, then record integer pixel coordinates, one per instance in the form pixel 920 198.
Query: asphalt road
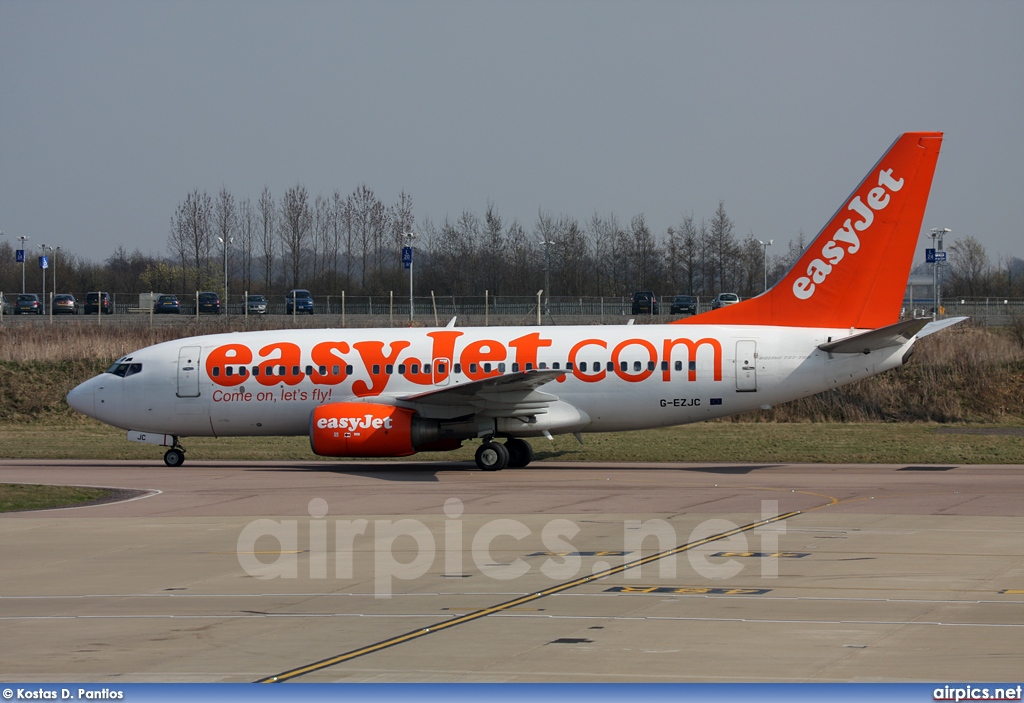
pixel 232 571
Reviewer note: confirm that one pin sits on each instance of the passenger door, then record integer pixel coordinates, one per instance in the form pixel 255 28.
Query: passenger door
pixel 188 372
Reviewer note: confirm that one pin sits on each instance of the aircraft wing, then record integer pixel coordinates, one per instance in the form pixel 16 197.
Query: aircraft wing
pixel 509 395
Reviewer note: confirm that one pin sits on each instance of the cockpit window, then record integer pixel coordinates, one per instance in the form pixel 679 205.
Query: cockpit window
pixel 124 370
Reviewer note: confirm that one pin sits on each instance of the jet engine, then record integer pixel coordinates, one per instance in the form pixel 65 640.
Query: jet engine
pixel 368 429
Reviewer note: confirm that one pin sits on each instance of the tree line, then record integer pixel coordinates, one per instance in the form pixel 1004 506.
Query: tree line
pixel 353 242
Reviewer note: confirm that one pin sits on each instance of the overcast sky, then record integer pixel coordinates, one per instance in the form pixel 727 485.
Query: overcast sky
pixel 110 112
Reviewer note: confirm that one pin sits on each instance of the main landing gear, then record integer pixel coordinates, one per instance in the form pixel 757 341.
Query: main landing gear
pixel 494 456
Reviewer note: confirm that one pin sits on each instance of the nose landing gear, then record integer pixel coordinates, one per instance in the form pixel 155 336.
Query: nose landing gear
pixel 175 456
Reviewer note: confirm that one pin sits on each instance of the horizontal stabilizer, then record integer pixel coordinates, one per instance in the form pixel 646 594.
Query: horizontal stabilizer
pixel 882 338
pixel 933 327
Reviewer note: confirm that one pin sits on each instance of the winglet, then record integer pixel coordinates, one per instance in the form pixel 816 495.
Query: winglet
pixel 854 273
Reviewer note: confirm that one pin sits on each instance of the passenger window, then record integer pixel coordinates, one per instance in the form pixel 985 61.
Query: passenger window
pixel 229 371
pixel 336 369
pixel 624 365
pixel 664 366
pixel 255 370
pixel 440 368
pixel 529 366
pixel 543 365
pixel 693 366
pixel 414 368
pixel 216 372
pixel 501 367
pixel 376 369
pixel 309 371
pixel 426 368
pixel 472 368
pixel 457 368
pixel 555 366
pixel 295 371
pixel 515 367
pixel 650 366
pixel 401 369
pixel 323 370
pixel 583 366
pixel 487 367
pixel 568 366
pixel 348 369
pixel 389 369
pixel 611 366
pixel 679 366
pixel 242 371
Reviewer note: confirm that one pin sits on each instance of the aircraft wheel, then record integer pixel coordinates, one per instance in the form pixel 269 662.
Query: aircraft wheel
pixel 174 457
pixel 491 456
pixel 520 453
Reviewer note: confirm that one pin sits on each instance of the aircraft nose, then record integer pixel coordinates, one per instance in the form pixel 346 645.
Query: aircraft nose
pixel 83 399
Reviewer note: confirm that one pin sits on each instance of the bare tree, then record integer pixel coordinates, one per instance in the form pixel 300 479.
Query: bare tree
pixel 969 266
pixel 494 263
pixel 247 240
pixel 225 217
pixel 642 254
pixel 177 242
pixel 194 218
pixel 322 216
pixel 267 229
pixel 294 228
pixel 366 214
pixel 723 249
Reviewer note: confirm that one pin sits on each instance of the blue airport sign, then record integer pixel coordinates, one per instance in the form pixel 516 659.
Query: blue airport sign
pixel 19 256
pixel 406 256
pixel 44 262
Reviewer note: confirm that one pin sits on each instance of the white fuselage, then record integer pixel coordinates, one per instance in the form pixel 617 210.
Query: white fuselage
pixel 616 377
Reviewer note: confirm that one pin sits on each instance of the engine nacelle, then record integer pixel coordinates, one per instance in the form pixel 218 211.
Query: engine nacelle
pixel 368 429
pixel 361 429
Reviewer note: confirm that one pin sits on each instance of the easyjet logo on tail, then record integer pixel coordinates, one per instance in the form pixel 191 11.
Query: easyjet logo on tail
pixel 846 239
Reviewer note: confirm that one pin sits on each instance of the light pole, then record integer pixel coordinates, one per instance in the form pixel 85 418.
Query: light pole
pixel 409 237
pixel 546 243
pixel 22 239
pixel 765 245
pixel 53 251
pixel 42 248
pixel 224 245
pixel 936 234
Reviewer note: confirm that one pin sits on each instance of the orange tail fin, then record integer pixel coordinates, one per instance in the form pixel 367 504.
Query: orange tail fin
pixel 854 273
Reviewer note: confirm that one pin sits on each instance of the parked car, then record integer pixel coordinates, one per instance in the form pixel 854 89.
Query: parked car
pixel 65 303
pixel 723 299
pixel 684 305
pixel 167 304
pixel 28 304
pixel 644 301
pixel 256 304
pixel 92 304
pixel 302 300
pixel 209 303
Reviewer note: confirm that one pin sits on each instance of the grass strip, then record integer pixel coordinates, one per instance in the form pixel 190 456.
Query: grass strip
pixel 16 497
pixel 760 442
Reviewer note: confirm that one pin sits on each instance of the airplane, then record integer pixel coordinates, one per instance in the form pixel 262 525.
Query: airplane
pixel 833 318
